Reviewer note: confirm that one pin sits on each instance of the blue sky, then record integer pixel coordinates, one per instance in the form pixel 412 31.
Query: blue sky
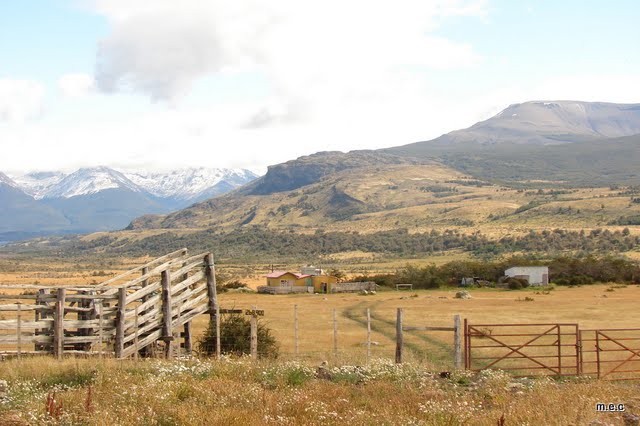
pixel 161 84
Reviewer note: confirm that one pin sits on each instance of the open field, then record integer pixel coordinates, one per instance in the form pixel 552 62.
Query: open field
pixel 357 389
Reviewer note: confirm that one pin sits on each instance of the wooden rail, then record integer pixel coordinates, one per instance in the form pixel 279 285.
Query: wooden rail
pixel 123 316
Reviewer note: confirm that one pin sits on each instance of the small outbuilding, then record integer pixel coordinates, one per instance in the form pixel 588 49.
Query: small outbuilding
pixel 535 275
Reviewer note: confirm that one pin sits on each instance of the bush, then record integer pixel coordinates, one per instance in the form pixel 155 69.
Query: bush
pixel 235 338
pixel 236 284
pixel 516 283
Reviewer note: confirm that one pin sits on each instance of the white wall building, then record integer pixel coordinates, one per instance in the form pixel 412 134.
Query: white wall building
pixel 535 275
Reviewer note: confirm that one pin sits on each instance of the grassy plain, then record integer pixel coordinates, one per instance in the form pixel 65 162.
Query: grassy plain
pixel 287 391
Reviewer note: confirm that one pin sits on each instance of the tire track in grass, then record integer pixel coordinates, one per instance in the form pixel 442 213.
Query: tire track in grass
pixel 442 357
pixel 351 313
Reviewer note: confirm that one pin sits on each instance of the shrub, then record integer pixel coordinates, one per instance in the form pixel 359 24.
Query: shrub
pixel 516 283
pixel 235 338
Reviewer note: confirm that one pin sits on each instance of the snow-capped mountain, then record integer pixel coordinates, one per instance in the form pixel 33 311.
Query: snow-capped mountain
pixel 6 180
pixel 37 184
pixel 89 181
pixel 101 198
pixel 192 183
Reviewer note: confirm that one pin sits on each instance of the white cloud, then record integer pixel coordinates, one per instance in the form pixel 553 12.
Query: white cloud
pixel 306 48
pixel 76 85
pixel 20 100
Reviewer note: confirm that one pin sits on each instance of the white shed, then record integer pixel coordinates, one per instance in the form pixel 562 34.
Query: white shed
pixel 535 275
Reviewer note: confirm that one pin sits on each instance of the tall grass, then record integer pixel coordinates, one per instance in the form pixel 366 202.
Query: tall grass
pixel 237 391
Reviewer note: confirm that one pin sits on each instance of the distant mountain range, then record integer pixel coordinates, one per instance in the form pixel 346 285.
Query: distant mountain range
pixel 545 144
pixel 101 198
pixel 477 177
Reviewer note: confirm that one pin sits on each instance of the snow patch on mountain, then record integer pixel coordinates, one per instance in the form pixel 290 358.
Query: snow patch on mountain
pixel 6 180
pixel 37 184
pixel 90 181
pixel 189 183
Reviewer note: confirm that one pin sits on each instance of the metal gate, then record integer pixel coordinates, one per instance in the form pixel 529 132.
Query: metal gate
pixel 523 349
pixel 611 354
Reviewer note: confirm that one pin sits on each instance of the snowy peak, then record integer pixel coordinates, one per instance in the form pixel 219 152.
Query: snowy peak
pixel 90 181
pixel 37 184
pixel 190 183
pixel 6 180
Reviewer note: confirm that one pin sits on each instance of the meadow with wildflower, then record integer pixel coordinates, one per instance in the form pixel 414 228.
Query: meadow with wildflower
pixel 239 391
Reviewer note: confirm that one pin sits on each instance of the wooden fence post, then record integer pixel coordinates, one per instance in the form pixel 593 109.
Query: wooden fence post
pixel 188 342
pixel 368 335
pixel 19 330
pixel 214 309
pixel 457 342
pixel 166 313
pixel 295 330
pixel 135 336
pixel 399 337
pixel 254 335
pixel 100 330
pixel 120 322
pixel 335 333
pixel 58 324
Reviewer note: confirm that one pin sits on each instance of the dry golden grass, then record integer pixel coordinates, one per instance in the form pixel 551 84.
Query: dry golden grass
pixel 287 392
pixel 239 392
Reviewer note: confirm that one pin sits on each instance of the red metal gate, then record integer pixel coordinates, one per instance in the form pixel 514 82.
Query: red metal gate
pixel 611 354
pixel 524 349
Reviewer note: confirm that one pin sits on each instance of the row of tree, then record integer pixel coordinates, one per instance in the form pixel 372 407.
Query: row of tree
pixel 562 271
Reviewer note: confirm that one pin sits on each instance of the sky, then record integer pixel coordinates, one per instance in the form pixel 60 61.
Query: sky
pixel 164 84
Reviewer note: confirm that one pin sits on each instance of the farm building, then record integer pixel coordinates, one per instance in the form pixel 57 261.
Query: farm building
pixel 291 282
pixel 535 275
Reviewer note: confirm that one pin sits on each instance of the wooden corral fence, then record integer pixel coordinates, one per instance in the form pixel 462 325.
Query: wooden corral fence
pixel 122 317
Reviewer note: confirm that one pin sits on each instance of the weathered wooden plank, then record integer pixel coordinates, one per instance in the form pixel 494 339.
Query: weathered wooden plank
pixel 142 343
pixel 199 293
pixel 200 275
pixel 13 307
pixel 20 297
pixel 149 265
pixel 145 329
pixel 89 323
pixel 13 324
pixel 155 313
pixel 190 315
pixel 190 304
pixel 144 291
pixel 176 275
pixel 13 339
pixel 150 303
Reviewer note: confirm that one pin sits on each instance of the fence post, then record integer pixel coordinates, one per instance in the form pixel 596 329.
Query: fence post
pixel 188 342
pixel 295 330
pixel 122 304
pixel 254 335
pixel 214 309
pixel 457 342
pixel 19 330
pixel 335 333
pixel 368 335
pixel 467 346
pixel 100 328
pixel 58 324
pixel 399 337
pixel 166 312
pixel 135 336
